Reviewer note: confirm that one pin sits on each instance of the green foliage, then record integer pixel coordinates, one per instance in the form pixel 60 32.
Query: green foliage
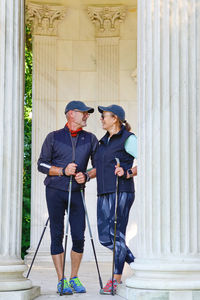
pixel 27 144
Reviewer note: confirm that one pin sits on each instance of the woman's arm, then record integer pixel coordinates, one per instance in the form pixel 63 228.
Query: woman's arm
pixel 131 148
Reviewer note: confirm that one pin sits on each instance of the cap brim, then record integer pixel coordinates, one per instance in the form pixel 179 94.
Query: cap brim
pixel 90 110
pixel 102 108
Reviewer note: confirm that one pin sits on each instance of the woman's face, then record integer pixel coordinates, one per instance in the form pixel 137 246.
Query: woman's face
pixel 107 120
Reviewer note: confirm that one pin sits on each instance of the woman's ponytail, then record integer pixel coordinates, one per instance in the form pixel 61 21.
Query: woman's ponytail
pixel 127 126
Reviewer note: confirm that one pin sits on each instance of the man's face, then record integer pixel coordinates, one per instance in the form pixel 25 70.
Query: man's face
pixel 80 117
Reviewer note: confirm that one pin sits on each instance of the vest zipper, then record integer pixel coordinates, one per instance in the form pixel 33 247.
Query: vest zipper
pixel 73 150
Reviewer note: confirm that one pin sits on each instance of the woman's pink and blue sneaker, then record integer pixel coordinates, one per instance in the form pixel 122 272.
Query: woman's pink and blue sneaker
pixel 107 290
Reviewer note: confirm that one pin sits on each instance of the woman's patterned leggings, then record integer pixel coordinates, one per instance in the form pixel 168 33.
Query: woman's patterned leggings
pixel 105 221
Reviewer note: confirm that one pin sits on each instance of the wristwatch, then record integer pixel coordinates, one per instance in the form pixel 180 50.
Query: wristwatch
pixel 130 172
pixel 63 171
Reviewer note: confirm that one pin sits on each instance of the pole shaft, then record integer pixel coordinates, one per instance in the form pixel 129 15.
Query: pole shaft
pixel 115 225
pixel 66 234
pixel 45 226
pixel 91 238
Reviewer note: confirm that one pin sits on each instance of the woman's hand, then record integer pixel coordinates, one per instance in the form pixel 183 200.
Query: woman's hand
pixel 119 171
pixel 80 178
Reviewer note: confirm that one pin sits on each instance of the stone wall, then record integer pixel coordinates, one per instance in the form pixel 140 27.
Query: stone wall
pixel 76 58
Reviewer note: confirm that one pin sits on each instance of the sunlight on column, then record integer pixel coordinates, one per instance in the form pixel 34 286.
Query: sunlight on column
pixel 131 233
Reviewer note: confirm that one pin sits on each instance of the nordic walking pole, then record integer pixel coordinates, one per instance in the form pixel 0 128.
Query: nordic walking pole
pixel 45 226
pixel 115 225
pixel 66 234
pixel 91 238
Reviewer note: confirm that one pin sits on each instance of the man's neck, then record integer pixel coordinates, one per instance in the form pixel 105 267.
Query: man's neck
pixel 73 126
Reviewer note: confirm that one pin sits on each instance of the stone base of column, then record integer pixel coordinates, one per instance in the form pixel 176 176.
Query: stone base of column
pixel 142 294
pixel 177 279
pixel 21 295
pixel 165 274
pixel 12 279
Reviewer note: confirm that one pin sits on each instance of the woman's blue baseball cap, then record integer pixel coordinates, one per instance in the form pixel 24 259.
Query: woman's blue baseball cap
pixel 115 109
pixel 78 105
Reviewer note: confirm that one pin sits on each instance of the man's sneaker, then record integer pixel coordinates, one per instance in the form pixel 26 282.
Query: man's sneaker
pixel 76 285
pixel 66 287
pixel 107 290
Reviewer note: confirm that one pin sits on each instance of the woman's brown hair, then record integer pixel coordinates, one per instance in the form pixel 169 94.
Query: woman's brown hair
pixel 126 124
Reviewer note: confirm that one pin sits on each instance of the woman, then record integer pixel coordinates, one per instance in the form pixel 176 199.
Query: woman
pixel 119 143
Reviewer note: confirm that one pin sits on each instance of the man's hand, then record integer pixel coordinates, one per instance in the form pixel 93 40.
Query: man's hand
pixel 80 178
pixel 119 171
pixel 71 169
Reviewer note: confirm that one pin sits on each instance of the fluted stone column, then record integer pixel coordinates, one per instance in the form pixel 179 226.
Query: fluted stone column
pixel 12 281
pixel 107 24
pixel 107 21
pixel 44 20
pixel 169 156
pixel 108 69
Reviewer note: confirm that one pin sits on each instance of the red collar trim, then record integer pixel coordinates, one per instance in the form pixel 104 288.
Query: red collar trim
pixel 73 132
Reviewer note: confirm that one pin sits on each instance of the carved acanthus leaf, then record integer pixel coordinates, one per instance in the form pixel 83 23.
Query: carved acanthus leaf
pixel 44 18
pixel 107 19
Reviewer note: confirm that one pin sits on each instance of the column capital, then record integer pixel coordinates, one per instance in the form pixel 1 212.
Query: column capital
pixel 107 19
pixel 44 18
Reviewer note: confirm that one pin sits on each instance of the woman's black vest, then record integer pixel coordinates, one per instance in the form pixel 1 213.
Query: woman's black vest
pixel 105 163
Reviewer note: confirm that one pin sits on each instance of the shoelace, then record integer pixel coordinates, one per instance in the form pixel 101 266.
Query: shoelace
pixel 109 284
pixel 65 283
pixel 77 281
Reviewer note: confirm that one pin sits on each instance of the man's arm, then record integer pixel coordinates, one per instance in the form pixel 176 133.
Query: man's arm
pixel 45 160
pixel 92 173
pixel 69 170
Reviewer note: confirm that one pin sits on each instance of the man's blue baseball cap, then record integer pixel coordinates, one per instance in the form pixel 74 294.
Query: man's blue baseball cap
pixel 79 105
pixel 115 109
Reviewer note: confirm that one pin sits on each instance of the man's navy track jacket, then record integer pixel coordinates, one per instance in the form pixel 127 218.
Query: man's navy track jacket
pixel 58 149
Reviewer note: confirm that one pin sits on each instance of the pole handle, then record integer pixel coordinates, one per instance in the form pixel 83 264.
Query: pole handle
pixel 117 161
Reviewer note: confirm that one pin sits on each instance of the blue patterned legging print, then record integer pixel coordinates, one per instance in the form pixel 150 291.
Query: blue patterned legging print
pixel 105 221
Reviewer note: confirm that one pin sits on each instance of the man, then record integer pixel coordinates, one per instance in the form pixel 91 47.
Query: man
pixel 66 153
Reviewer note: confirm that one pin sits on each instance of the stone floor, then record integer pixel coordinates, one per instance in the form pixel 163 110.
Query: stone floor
pixel 46 278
